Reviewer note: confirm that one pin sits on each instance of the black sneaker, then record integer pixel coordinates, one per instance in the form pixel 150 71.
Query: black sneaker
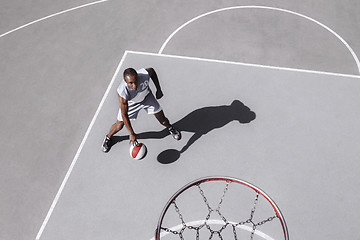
pixel 106 144
pixel 174 133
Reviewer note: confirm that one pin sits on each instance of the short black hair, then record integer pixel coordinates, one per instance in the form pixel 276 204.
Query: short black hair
pixel 130 72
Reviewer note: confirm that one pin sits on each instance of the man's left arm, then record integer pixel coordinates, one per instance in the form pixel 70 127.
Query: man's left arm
pixel 159 94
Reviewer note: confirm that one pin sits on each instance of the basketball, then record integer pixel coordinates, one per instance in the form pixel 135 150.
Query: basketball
pixel 138 151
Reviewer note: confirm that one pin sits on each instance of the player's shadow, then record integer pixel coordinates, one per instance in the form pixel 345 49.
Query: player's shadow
pixel 200 122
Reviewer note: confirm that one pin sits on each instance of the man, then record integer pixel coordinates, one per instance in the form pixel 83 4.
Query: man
pixel 135 94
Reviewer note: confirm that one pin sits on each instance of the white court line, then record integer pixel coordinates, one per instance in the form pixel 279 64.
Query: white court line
pixel 219 222
pixel 50 16
pixel 244 64
pixel 79 149
pixel 268 8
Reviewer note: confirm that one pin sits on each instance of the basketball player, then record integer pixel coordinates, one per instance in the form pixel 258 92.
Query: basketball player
pixel 135 94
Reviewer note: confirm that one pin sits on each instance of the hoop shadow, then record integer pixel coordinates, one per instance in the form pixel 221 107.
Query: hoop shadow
pixel 200 122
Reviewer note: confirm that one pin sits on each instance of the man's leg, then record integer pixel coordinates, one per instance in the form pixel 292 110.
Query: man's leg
pixel 160 116
pixel 116 127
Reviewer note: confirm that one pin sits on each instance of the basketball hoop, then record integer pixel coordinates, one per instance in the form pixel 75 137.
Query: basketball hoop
pixel 253 211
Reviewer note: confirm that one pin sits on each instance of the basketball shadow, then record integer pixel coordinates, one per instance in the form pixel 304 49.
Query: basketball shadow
pixel 200 122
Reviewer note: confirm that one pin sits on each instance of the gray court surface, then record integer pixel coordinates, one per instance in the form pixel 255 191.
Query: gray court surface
pixel 297 143
pixel 288 69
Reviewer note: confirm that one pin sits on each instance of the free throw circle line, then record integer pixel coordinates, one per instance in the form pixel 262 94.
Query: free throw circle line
pixel 268 8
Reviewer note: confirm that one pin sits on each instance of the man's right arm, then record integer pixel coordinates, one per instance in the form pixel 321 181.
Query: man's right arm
pixel 125 117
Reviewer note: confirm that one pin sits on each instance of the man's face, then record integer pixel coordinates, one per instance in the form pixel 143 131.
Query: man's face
pixel 131 82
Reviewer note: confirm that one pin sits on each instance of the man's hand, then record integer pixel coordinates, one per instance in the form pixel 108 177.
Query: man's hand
pixel 133 139
pixel 159 94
